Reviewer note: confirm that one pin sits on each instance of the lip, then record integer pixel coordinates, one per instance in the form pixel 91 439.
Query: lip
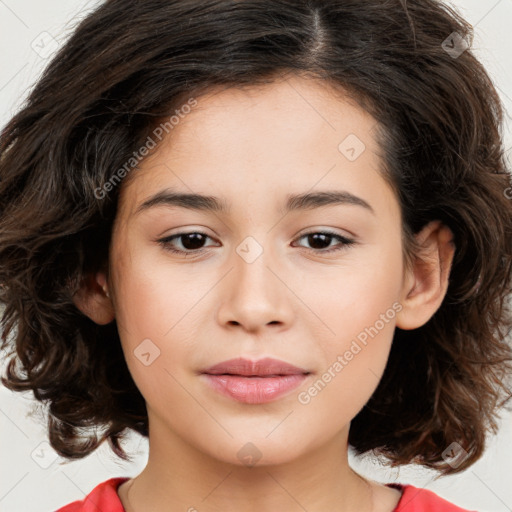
pixel 254 382
pixel 262 368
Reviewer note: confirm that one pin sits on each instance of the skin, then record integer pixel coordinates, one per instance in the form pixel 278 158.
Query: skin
pixel 252 148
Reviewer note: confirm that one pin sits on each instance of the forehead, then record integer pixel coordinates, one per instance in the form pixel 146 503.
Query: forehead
pixel 268 136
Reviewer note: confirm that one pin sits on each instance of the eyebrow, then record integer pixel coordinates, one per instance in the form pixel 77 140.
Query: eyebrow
pixel 299 202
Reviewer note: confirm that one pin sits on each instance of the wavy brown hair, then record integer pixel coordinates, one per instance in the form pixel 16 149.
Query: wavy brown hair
pixel 130 63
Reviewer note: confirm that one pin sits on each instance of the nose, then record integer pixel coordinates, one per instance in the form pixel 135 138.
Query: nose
pixel 255 293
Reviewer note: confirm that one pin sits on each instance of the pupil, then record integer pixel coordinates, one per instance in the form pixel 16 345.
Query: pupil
pixel 315 237
pixel 196 238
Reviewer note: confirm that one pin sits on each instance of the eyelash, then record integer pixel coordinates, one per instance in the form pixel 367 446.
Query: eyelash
pixel 345 242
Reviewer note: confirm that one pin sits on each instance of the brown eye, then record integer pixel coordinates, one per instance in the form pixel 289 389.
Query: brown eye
pixel 320 240
pixel 192 242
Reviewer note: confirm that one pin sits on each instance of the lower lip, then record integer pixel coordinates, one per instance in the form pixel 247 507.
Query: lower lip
pixel 255 390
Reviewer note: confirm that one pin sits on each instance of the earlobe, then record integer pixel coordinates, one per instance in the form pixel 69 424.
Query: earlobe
pixel 93 299
pixel 426 283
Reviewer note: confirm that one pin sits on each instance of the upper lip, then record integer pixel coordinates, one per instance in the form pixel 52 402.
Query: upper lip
pixel 262 368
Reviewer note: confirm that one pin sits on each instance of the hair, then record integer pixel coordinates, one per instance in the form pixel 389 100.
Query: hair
pixel 130 63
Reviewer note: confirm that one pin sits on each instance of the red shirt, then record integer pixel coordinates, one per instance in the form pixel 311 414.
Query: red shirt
pixel 104 498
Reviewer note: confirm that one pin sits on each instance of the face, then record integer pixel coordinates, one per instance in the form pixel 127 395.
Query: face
pixel 315 283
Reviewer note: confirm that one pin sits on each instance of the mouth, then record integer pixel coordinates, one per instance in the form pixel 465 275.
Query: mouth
pixel 267 367
pixel 254 382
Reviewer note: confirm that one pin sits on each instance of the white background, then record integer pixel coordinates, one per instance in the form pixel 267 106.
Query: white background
pixel 32 477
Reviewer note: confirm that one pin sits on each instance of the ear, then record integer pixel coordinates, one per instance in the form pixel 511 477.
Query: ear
pixel 93 298
pixel 425 284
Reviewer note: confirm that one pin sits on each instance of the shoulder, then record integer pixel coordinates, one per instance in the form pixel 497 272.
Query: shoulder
pixel 102 497
pixel 416 499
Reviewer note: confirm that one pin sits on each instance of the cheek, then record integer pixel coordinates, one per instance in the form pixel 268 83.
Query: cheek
pixel 361 295
pixel 359 307
pixel 155 298
pixel 153 309
pixel 346 383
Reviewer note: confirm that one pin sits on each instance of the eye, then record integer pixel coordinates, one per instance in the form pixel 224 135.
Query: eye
pixel 190 242
pixel 193 242
pixel 324 239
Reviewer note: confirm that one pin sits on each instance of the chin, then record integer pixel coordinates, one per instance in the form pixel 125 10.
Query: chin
pixel 256 451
